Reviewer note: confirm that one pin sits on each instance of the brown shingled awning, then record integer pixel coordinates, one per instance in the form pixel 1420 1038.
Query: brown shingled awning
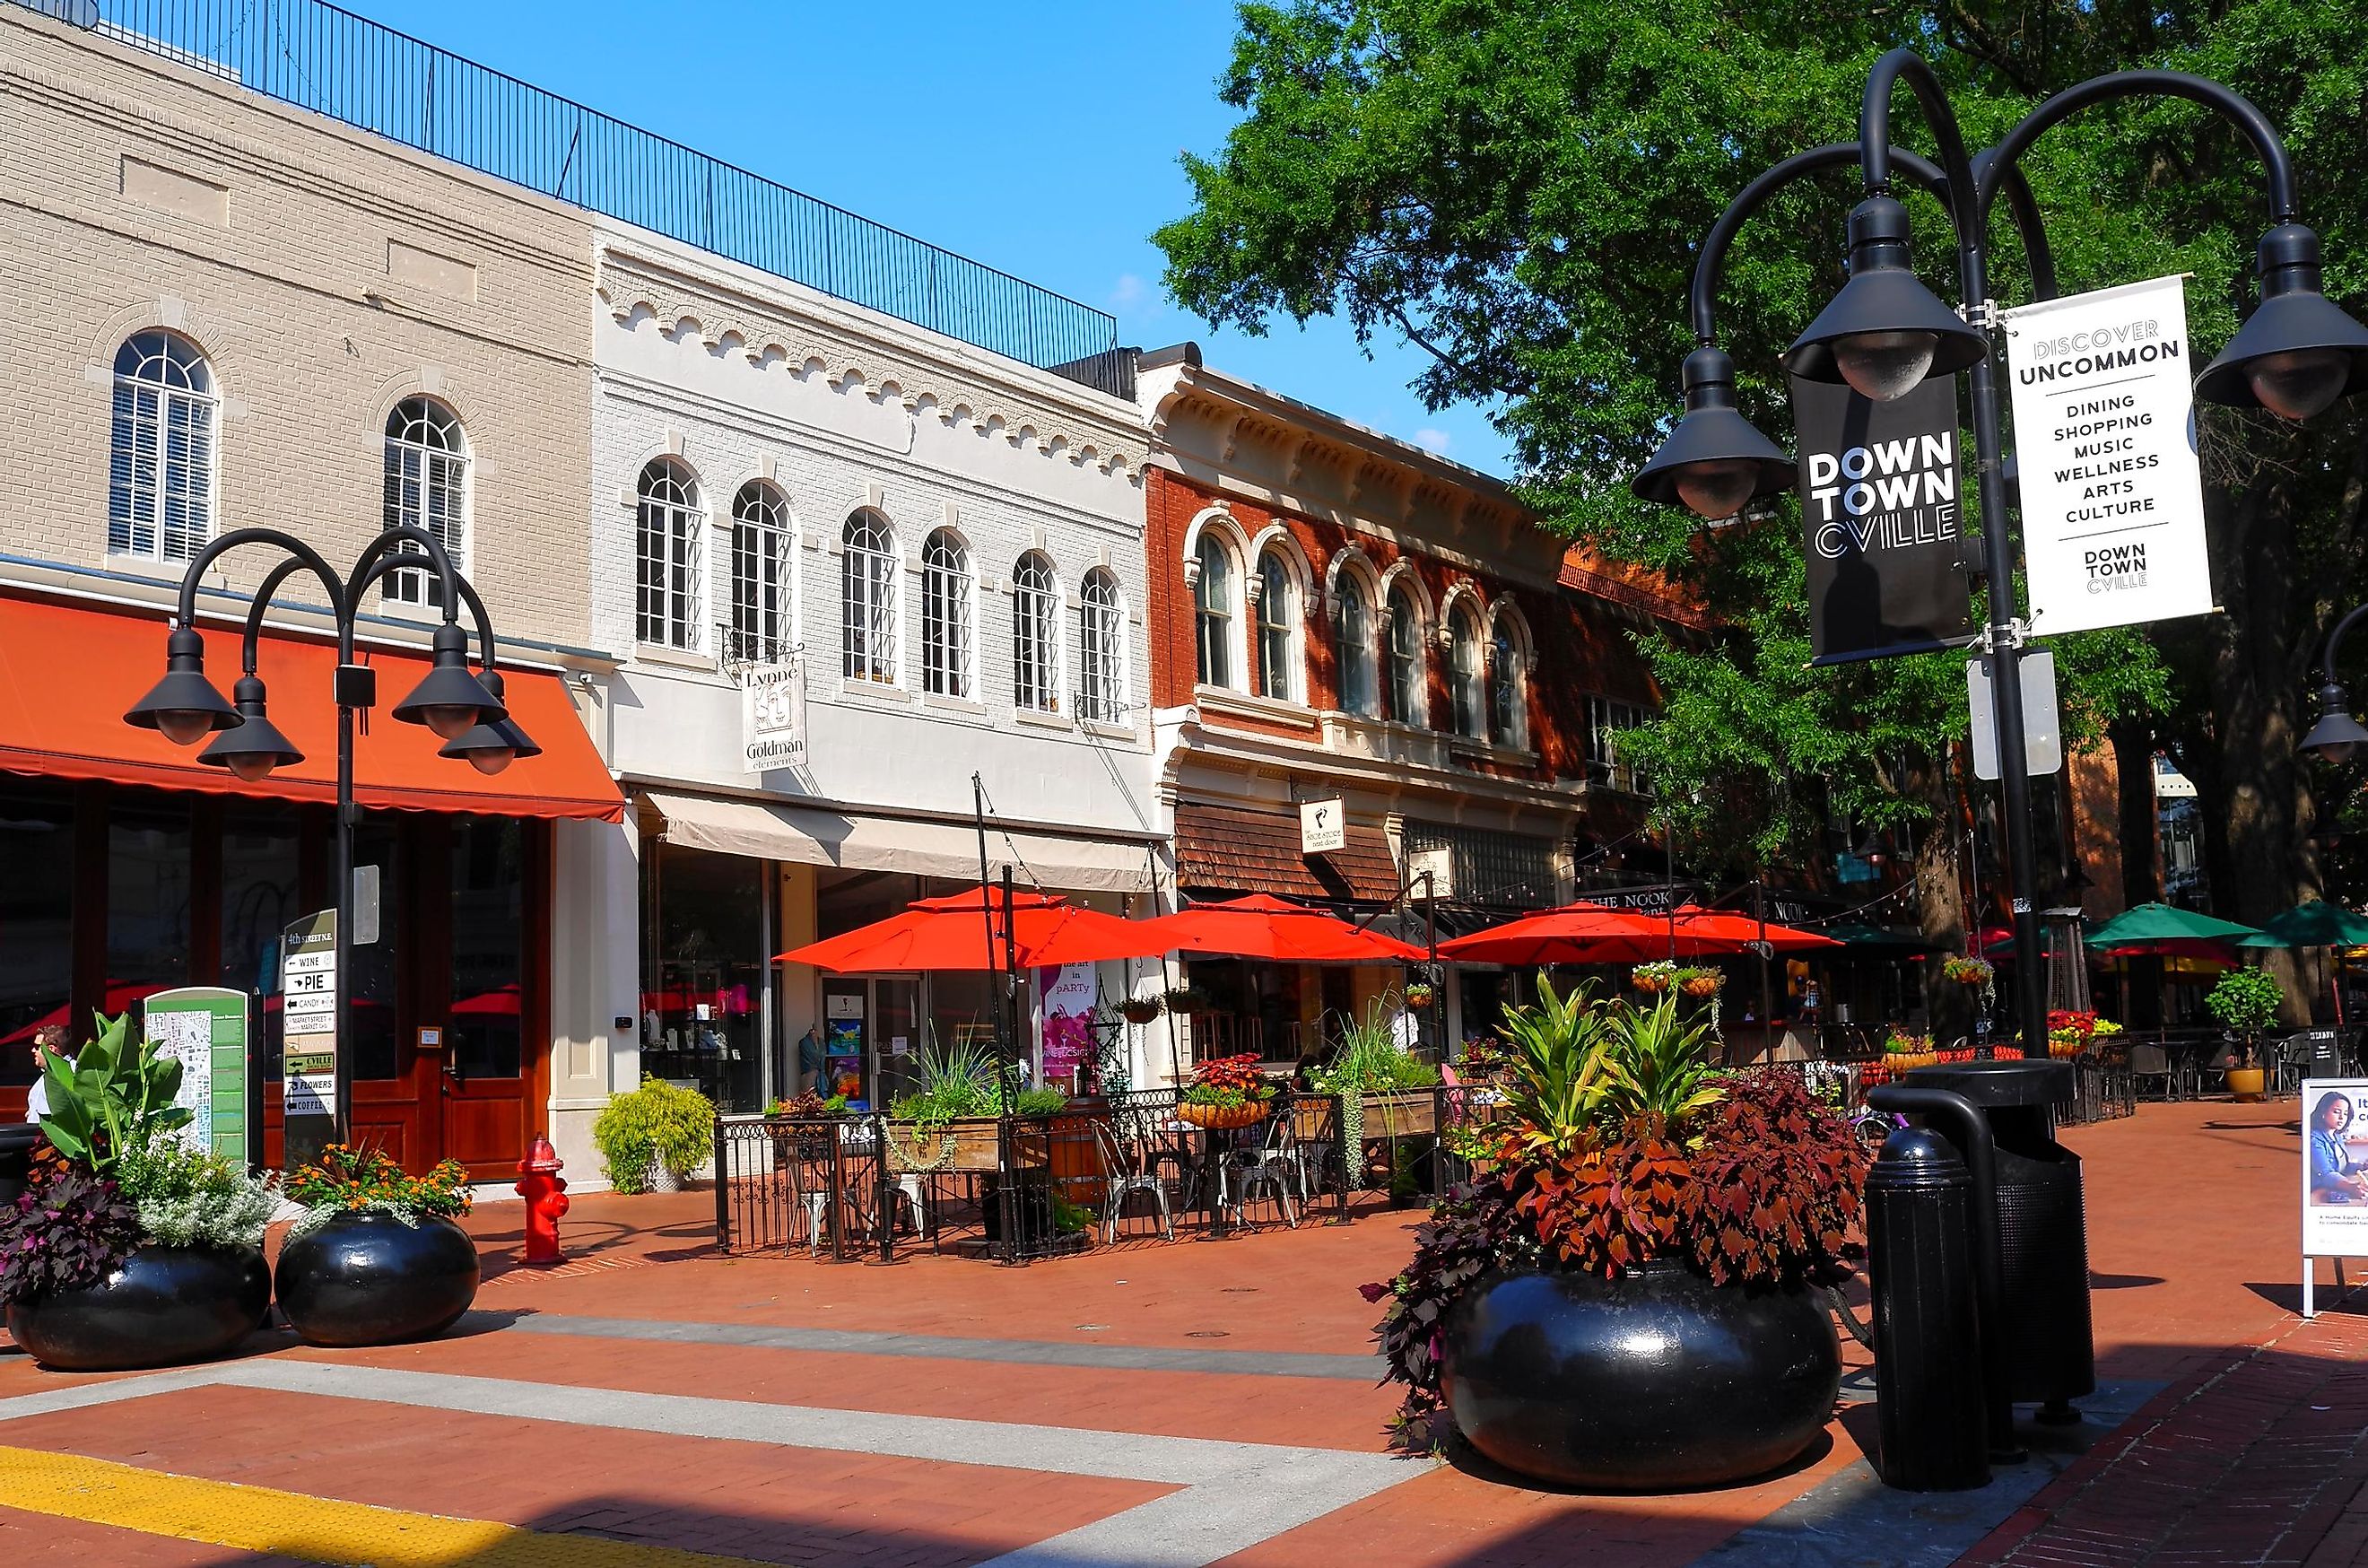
pixel 1239 849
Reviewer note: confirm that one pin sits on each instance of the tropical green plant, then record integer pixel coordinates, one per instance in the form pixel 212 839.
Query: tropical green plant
pixel 1366 1058
pixel 1656 1078
pixel 659 1122
pixel 956 1080
pixel 2247 1001
pixel 115 1096
pixel 342 1179
pixel 189 1196
pixel 69 1229
pixel 1554 1086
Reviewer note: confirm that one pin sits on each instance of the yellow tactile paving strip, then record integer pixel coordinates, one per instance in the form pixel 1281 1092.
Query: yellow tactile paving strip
pixel 288 1524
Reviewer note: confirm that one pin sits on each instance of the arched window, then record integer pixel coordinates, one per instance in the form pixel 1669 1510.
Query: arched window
pixel 869 607
pixel 945 616
pixel 1101 649
pixel 160 470
pixel 1409 695
pixel 427 488
pixel 1035 621
pixel 1508 692
pixel 1467 674
pixel 1359 692
pixel 762 551
pixel 1277 626
pixel 1212 600
pixel 671 537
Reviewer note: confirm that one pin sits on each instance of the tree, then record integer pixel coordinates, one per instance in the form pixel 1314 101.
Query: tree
pixel 1517 187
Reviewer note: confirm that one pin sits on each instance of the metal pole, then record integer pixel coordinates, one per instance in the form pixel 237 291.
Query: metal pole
pixel 1767 1005
pixel 343 871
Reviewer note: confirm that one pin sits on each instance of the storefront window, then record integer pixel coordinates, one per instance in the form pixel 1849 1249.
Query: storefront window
pixel 488 944
pixel 147 902
pixel 37 843
pixel 703 973
pixel 259 893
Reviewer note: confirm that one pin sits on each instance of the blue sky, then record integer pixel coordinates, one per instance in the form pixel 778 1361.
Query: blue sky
pixel 1042 139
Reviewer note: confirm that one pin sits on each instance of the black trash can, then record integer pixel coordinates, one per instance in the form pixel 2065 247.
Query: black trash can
pixel 2050 1350
pixel 1931 1411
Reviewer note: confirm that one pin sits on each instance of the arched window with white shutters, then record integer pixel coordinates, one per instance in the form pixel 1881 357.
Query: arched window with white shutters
pixel 1467 674
pixel 763 551
pixel 869 604
pixel 946 583
pixel 1213 610
pixel 1278 628
pixel 1409 683
pixel 161 451
pixel 670 536
pixel 1353 626
pixel 1508 685
pixel 427 487
pixel 1101 649
pixel 1035 625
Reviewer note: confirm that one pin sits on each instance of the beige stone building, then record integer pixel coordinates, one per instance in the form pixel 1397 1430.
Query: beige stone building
pixel 219 311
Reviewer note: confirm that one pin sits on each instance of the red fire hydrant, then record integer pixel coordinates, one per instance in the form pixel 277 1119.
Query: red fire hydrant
pixel 545 1191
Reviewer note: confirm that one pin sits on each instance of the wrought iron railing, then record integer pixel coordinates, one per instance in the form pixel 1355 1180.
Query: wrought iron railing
pixel 315 55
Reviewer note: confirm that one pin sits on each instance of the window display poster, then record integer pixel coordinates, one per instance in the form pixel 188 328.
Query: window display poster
pixel 1070 992
pixel 2334 1171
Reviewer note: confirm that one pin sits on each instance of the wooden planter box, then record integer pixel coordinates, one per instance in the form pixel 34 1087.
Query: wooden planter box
pixel 1402 1114
pixel 977 1145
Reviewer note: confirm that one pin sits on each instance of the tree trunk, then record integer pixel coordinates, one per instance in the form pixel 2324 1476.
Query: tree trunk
pixel 1940 903
pixel 2141 854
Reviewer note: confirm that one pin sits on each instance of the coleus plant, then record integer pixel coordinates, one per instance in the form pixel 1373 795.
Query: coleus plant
pixel 68 1230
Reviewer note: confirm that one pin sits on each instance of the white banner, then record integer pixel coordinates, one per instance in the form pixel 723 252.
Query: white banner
pixel 2104 430
pixel 773 717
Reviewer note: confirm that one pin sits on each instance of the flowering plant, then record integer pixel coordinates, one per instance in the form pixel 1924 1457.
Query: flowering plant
pixel 2065 1024
pixel 809 1105
pixel 1139 1009
pixel 1228 1083
pixel 1899 1043
pixel 1965 971
pixel 345 1180
pixel 1658 975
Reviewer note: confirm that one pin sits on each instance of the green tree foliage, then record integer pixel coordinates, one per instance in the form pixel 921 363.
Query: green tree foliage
pixel 1518 186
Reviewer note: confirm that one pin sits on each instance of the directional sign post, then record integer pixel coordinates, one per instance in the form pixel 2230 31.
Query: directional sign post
pixel 309 981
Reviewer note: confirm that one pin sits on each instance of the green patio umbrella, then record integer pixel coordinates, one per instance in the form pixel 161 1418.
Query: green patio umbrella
pixel 2315 923
pixel 2164 928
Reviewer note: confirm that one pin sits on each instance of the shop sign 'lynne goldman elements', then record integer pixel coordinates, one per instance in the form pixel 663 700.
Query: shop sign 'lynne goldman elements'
pixel 773 717
pixel 1880 521
pixel 2105 423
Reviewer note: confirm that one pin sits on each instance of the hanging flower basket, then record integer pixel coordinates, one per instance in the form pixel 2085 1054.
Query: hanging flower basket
pixel 1703 983
pixel 1967 971
pixel 1418 996
pixel 1653 978
pixel 1221 1118
pixel 1139 1009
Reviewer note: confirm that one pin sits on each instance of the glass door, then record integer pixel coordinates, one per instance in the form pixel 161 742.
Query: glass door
pixel 896 1037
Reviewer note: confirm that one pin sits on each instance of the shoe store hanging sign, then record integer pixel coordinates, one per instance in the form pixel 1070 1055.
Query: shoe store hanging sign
pixel 2104 425
pixel 1880 521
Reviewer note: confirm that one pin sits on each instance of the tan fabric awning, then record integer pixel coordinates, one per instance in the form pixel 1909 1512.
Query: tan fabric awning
pixel 811 836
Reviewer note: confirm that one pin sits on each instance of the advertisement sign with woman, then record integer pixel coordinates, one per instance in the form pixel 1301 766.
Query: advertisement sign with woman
pixel 2334 1173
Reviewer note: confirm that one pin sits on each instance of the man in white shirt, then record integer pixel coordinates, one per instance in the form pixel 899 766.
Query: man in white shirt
pixel 47 1042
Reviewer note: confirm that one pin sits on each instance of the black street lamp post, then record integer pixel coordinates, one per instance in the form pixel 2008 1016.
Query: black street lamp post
pixel 2337 737
pixel 1885 334
pixel 464 709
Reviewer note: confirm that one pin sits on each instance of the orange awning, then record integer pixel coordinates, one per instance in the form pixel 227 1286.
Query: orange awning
pixel 67 674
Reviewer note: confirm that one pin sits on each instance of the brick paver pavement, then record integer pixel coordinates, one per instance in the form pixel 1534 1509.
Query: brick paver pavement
pixel 1035 1402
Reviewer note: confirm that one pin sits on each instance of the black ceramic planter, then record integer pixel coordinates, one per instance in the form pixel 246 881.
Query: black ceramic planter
pixel 372 1279
pixel 164 1307
pixel 1657 1382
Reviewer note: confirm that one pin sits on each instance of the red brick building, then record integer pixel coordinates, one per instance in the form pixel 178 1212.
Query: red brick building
pixel 1333 614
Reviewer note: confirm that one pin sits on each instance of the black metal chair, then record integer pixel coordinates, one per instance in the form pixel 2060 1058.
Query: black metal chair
pixel 2149 1061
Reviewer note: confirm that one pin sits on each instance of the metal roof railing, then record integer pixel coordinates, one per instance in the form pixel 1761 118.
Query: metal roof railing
pixel 318 57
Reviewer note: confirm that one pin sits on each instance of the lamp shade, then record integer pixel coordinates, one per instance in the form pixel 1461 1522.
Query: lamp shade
pixel 2337 737
pixel 491 745
pixel 2297 353
pixel 1884 315
pixel 1715 461
pixel 184 705
pixel 448 699
pixel 255 746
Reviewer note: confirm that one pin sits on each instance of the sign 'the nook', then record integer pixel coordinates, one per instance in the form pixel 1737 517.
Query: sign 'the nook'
pixel 2104 425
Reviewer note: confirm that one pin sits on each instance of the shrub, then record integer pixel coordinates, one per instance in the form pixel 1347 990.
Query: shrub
pixel 69 1229
pixel 1776 1186
pixel 2246 1000
pixel 117 1095
pixel 809 1105
pixel 345 1180
pixel 1039 1102
pixel 189 1196
pixel 658 1122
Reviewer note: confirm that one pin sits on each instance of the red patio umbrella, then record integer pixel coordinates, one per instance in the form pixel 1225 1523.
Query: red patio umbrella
pixel 1739 930
pixel 1263 927
pixel 1578 932
pixel 120 994
pixel 502 1002
pixel 951 932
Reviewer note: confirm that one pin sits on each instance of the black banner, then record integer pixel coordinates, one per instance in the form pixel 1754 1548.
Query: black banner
pixel 1880 516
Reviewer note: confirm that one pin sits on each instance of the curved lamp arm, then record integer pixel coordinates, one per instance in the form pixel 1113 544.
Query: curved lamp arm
pixel 371 566
pixel 2231 106
pixel 2335 643
pixel 305 557
pixel 393 562
pixel 256 608
pixel 1875 153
